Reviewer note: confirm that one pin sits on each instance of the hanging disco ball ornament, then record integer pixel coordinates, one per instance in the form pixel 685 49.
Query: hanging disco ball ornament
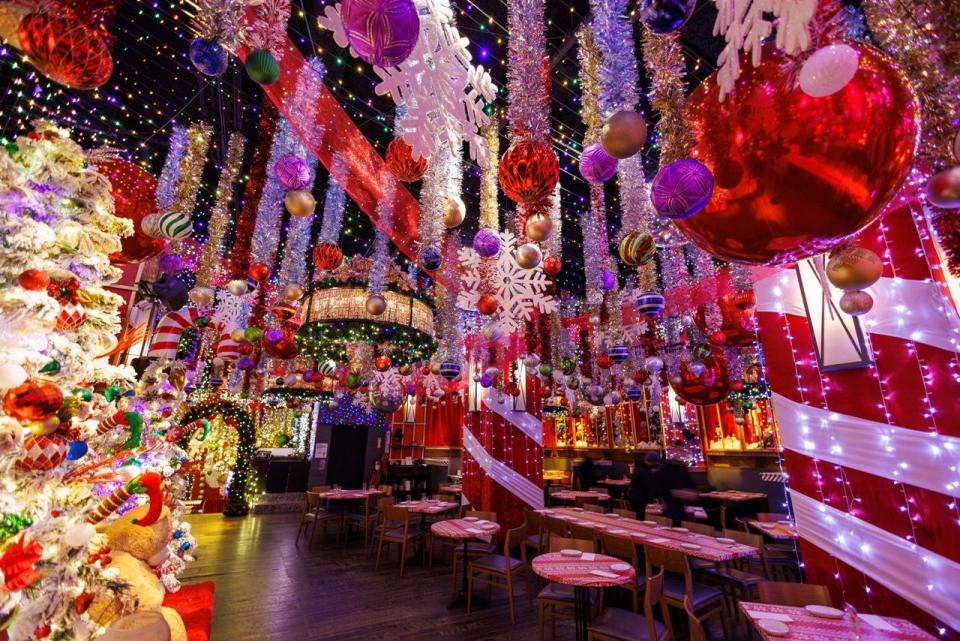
pixel 637 249
pixel 208 57
pixel 381 32
pixel 65 49
pixel 651 304
pixel 262 67
pixel 529 170
pixel 623 134
pixel 666 16
pixel 292 172
pixel 486 242
pixel 681 189
pixel 327 256
pixel 401 163
pixel 810 177
pixel 596 165
pixel 430 258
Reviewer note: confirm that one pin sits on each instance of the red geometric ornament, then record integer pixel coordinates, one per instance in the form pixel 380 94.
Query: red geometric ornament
pixel 65 49
pixel 529 171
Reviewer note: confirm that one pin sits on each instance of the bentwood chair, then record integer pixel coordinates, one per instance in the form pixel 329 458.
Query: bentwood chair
pixel 313 514
pixel 797 594
pixel 499 571
pixel 534 523
pixel 625 549
pixel 399 536
pixel 679 585
pixel 557 600
pixel 615 624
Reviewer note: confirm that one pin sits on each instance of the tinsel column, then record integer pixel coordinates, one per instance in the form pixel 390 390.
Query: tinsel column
pixel 188 181
pixel 212 252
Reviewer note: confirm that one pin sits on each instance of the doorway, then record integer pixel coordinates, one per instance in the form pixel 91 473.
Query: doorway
pixel 347 456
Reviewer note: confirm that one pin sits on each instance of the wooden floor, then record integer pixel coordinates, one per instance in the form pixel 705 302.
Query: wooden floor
pixel 267 589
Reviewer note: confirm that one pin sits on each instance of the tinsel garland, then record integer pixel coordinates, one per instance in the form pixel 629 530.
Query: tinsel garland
pixel 489 208
pixel 267 29
pixel 220 20
pixel 589 76
pixel 704 275
pixel 188 183
pixel 552 245
pixel 167 183
pixel 334 202
pixel 450 336
pixel 211 254
pixel 921 37
pixel 243 231
pixel 663 58
pixel 528 110
pixel 381 244
pixel 433 196
pixel 593 246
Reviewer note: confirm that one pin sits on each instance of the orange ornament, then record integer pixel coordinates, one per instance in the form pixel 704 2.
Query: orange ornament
pixel 34 280
pixel 401 163
pixel 529 171
pixel 327 256
pixel 65 49
pixel 33 401
pixel 258 271
pixel 487 305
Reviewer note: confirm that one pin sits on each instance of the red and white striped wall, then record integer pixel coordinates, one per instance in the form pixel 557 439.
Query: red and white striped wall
pixel 873 454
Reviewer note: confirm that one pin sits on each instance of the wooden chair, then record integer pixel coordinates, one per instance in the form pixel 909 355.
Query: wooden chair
pixel 474 548
pixel 578 531
pixel 660 520
pixel 679 584
pixel 615 624
pixel 499 571
pixel 398 536
pixel 382 503
pixel 534 523
pixel 699 528
pixel 386 489
pixel 582 501
pixel 698 631
pixel 590 507
pixel 797 594
pixel 555 527
pixel 771 517
pixel 313 513
pixel 556 600
pixel 628 513
pixel 624 548
pixel 366 519
pixel 317 489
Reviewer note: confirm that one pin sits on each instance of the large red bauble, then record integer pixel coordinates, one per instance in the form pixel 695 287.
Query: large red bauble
pixel 552 266
pixel 529 171
pixel 134 197
pixel 33 279
pixel 401 163
pixel 712 387
pixel 737 324
pixel 797 174
pixel 65 49
pixel 327 256
pixel 33 401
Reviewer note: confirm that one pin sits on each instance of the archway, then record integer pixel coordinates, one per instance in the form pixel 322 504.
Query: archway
pixel 238 417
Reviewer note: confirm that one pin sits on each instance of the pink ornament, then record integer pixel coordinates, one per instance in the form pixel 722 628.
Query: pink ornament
pixel 292 172
pixel 596 165
pixel 381 32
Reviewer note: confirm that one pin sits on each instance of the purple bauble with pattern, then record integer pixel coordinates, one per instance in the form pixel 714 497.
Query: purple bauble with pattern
pixel 381 32
pixel 293 173
pixel 608 280
pixel 486 242
pixel 682 188
pixel 596 165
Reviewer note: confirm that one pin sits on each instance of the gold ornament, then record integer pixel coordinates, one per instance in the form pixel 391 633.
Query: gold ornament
pixel 376 304
pixel 300 203
pixel 454 212
pixel 624 134
pixel 48 425
pixel 238 287
pixel 178 377
pixel 528 256
pixel 292 292
pixel 538 227
pixel 435 368
pixel 856 303
pixel 238 335
pixel 201 296
pixel 853 268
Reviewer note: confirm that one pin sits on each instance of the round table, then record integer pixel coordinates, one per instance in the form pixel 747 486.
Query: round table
pixel 465 530
pixel 579 572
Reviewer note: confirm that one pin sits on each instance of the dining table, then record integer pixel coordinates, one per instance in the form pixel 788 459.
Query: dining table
pixel 465 529
pixel 348 495
pixel 779 530
pixel 701 546
pixel 802 624
pixel 583 571
pixel 731 498
pixel 573 495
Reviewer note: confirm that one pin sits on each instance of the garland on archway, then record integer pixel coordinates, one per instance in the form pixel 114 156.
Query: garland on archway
pixel 237 416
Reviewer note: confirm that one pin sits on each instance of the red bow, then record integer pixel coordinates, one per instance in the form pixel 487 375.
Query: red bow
pixel 16 564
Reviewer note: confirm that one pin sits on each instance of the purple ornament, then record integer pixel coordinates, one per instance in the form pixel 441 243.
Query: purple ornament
pixel 273 336
pixel 244 362
pixel 170 263
pixel 309 375
pixel 292 172
pixel 381 32
pixel 486 381
pixel 607 280
pixel 682 188
pixel 596 165
pixel 486 242
pixel 411 389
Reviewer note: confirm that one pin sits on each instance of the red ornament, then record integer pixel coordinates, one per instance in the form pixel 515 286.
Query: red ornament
pixel 745 299
pixel 42 453
pixel 709 388
pixel 245 348
pixel 718 338
pixel 327 256
pixel 65 49
pixel 33 401
pixel 134 197
pixel 258 272
pixel 799 154
pixel 71 316
pixel 401 163
pixel 34 280
pixel 42 631
pixel 284 349
pixel 16 564
pixel 551 266
pixel 513 390
pixel 737 324
pixel 382 363
pixel 529 171
pixel 82 602
pixel 487 305
pixel 604 361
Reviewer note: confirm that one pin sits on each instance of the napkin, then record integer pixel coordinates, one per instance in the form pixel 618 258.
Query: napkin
pixel 473 531
pixel 877 622
pixel 775 616
pixel 606 575
pixel 588 556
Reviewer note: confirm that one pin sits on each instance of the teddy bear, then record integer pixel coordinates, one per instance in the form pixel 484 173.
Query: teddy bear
pixel 135 551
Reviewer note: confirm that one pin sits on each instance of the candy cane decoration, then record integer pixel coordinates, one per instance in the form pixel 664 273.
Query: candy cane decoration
pixel 148 483
pixel 133 420
pixel 166 338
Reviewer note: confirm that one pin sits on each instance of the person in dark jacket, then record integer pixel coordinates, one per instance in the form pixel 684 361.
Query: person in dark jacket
pixel 643 484
pixel 677 489
pixel 588 474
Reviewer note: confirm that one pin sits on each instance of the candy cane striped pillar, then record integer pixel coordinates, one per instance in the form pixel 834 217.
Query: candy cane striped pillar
pixel 503 456
pixel 873 453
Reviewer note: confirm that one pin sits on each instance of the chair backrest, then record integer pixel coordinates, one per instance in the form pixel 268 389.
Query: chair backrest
pixel 753 540
pixel 313 501
pixel 386 489
pixel 533 521
pixel 558 543
pixel 697 631
pixel 652 595
pixel 385 501
pixel 480 514
pixel 589 507
pixel 320 488
pixel 580 501
pixel 771 517
pixel 578 531
pixel 796 594
pixel 630 514
pixel 394 513
pixel 672 561
pixel 555 526
pixel 514 538
pixel 449 498
pixel 660 520
pixel 699 528
pixel 620 547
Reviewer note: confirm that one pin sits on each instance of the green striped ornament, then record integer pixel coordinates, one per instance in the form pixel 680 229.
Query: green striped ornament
pixel 176 225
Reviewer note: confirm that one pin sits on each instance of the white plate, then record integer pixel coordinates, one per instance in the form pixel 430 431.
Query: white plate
pixel 767 526
pixel 649 522
pixel 640 535
pixel 620 567
pixel 679 529
pixel 488 526
pixel 470 518
pixel 690 546
pixel 599 527
pixel 613 515
pixel 571 553
pixel 722 539
pixel 577 509
pixel 618 531
pixel 773 628
pixel 824 612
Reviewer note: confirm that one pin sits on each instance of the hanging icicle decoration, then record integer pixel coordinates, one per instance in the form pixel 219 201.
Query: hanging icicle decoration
pixel 212 252
pixel 167 184
pixel 334 203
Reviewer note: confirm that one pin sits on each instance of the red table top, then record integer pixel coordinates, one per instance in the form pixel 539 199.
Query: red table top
pixel 616 482
pixel 464 529
pixel 734 495
pixel 451 488
pixel 426 507
pixel 777 530
pixel 347 495
pixel 582 570
pixel 570 495
pixel 649 533
pixel 806 627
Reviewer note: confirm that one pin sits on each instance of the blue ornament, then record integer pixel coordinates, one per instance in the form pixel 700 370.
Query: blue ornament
pixel 177 534
pixel 633 393
pixel 449 370
pixel 619 353
pixel 209 57
pixel 650 304
pixel 184 546
pixel 665 16
pixel 76 450
pixel 430 258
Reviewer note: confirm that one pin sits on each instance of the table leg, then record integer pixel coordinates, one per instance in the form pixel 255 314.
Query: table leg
pixel 581 600
pixel 460 600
